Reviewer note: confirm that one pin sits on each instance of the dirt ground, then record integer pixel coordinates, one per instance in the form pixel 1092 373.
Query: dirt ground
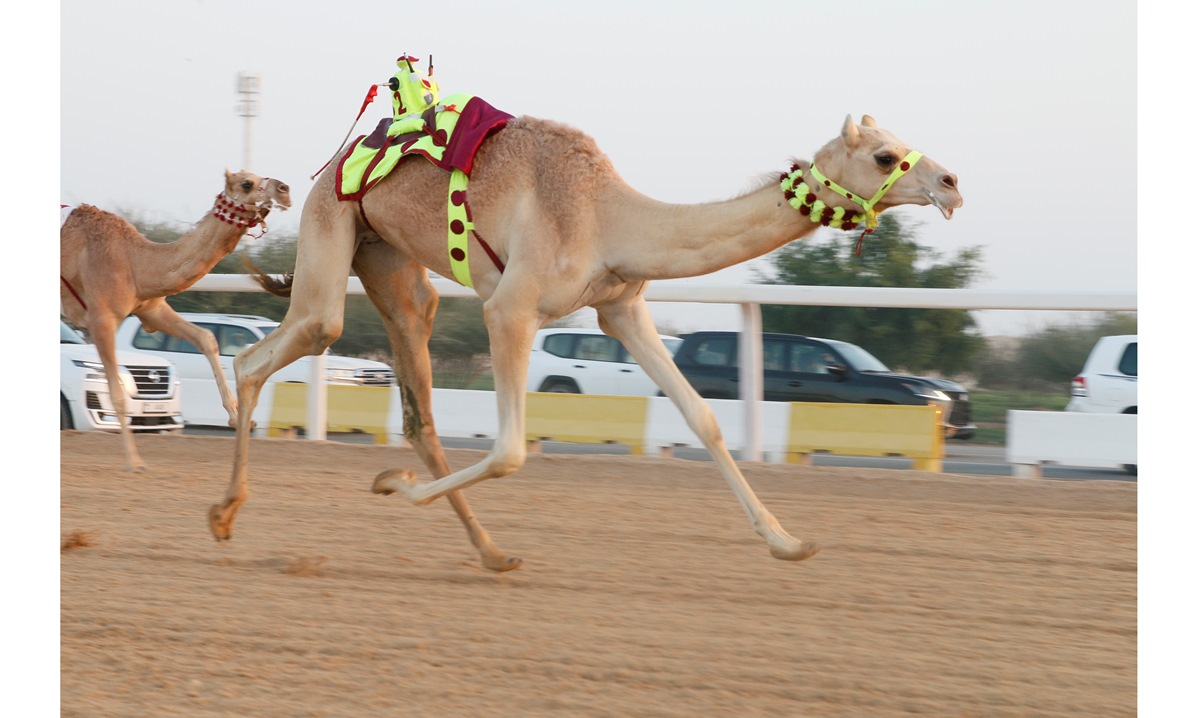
pixel 644 591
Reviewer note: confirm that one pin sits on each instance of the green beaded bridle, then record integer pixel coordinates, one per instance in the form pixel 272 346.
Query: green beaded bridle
pixel 804 198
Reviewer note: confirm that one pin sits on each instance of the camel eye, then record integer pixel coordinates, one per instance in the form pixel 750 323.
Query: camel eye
pixel 885 160
pixel 247 186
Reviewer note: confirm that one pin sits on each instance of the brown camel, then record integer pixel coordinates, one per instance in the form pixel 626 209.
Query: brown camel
pixel 110 271
pixel 570 233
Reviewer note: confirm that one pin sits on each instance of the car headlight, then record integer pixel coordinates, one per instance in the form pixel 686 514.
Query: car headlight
pixel 345 376
pixel 927 392
pixel 95 372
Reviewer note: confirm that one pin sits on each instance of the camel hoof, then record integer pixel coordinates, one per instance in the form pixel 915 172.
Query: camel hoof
pixel 797 551
pixel 500 564
pixel 392 480
pixel 403 481
pixel 221 527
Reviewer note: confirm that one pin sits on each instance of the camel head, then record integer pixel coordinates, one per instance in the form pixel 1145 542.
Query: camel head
pixel 259 194
pixel 881 171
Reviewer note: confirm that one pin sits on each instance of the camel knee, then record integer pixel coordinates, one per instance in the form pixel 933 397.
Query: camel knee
pixel 246 376
pixel 320 332
pixel 506 460
pixel 208 342
pixel 702 421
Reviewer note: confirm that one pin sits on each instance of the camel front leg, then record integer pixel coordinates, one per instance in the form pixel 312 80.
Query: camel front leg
pixel 400 289
pixel 313 321
pixel 510 331
pixel 159 316
pixel 630 322
pixel 103 330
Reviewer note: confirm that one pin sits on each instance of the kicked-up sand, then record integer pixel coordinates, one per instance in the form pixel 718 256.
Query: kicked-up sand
pixel 644 592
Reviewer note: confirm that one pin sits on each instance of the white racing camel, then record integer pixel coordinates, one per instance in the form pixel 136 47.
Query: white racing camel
pixel 110 271
pixel 563 232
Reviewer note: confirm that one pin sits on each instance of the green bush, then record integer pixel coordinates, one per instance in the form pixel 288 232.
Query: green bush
pixel 990 407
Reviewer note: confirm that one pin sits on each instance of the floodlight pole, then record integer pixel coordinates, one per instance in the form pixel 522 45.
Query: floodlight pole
pixel 248 86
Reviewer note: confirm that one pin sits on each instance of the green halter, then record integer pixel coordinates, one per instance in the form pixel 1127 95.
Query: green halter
pixel 804 199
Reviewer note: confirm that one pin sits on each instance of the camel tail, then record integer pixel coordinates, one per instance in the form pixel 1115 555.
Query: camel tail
pixel 280 287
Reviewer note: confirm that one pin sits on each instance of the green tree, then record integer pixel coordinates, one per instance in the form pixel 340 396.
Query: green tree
pixel 459 345
pixel 917 340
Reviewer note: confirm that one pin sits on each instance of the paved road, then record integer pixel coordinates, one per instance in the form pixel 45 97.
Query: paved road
pixel 961 458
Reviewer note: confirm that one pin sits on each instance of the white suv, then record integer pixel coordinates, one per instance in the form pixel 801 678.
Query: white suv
pixel 151 387
pixel 1108 382
pixel 234 332
pixel 574 360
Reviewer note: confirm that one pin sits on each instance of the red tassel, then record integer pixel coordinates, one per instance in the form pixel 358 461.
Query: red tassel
pixel 858 247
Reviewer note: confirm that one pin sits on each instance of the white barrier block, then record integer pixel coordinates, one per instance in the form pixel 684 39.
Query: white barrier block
pixel 1071 438
pixel 665 425
pixel 465 413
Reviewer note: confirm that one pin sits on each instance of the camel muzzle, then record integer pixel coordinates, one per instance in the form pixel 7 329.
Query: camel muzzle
pixel 275 194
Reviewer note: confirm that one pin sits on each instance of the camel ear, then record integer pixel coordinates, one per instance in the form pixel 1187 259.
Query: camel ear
pixel 228 174
pixel 850 134
pixel 868 121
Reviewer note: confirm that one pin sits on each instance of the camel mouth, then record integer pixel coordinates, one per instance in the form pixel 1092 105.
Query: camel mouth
pixel 946 210
pixel 271 203
pixel 278 195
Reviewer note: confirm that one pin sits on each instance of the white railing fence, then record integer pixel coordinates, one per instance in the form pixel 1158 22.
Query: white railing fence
pixel 750 297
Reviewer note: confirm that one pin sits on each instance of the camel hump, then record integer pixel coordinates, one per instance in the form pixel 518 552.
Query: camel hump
pixel 99 224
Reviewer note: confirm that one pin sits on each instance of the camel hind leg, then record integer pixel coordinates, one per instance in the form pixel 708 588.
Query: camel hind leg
pixel 511 319
pixel 159 316
pixel 399 288
pixel 630 322
pixel 313 321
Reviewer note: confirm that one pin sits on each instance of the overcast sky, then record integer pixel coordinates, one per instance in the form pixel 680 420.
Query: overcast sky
pixel 1033 108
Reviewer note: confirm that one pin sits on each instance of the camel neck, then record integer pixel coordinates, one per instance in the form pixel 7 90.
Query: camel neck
pixel 180 263
pixel 667 241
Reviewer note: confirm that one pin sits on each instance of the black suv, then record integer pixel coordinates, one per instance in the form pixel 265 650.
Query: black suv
pixel 798 368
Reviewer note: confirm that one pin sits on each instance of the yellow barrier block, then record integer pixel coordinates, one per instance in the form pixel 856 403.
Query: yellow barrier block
pixel 350 408
pixel 867 430
pixel 586 419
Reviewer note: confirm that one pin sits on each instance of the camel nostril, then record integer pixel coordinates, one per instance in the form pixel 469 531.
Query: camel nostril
pixel 950 181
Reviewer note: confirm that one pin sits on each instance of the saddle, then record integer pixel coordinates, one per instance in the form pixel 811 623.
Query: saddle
pixel 448 135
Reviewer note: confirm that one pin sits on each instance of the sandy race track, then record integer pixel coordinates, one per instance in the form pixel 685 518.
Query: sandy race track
pixel 644 591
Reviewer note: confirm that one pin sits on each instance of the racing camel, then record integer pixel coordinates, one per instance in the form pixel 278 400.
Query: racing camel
pixel 110 271
pixel 563 231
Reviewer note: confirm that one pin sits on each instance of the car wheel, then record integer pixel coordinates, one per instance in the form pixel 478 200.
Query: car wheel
pixel 65 422
pixel 562 387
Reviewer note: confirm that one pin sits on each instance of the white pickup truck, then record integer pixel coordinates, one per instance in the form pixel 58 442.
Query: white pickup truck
pixel 235 332
pixel 152 402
